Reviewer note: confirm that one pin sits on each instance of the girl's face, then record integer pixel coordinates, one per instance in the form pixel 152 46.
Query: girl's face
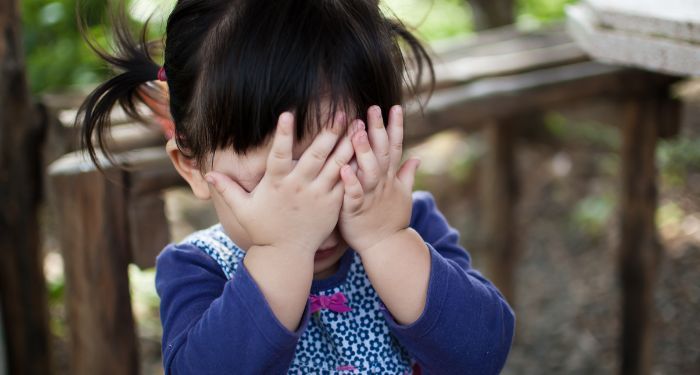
pixel 247 170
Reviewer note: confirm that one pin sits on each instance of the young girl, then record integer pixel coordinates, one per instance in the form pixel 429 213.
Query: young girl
pixel 324 262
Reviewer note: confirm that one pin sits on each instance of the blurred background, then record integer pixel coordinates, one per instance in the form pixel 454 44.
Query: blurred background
pixel 566 293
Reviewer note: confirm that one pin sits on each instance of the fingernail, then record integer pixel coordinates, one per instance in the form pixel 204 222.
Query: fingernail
pixel 397 109
pixel 286 117
pixel 362 137
pixel 377 111
pixel 359 126
pixel 209 178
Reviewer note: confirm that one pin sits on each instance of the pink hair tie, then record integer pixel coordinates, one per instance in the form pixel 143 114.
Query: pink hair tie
pixel 161 74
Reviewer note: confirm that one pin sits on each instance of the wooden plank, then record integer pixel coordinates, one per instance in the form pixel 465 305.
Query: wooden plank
pixel 131 136
pixel 671 19
pixel 150 171
pixel 94 241
pixel 500 52
pixel 650 52
pixel 499 40
pixel 469 68
pixel 468 106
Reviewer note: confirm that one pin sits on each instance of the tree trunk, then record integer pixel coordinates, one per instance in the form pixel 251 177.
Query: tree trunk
pixel 492 13
pixel 22 285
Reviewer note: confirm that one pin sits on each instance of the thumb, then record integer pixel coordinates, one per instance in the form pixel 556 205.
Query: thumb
pixel 407 172
pixel 229 190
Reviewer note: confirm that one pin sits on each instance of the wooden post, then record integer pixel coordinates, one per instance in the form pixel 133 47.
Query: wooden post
pixel 94 239
pixel 498 181
pixel 22 132
pixel 499 196
pixel 639 248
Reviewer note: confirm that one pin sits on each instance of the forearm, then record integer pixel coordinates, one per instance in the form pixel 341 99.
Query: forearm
pixel 234 333
pixel 284 278
pixel 466 326
pixel 212 325
pixel 399 270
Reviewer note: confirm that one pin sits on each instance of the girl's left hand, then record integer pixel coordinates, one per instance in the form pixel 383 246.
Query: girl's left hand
pixel 377 202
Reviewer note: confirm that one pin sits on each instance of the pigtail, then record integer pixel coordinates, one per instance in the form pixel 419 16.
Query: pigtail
pixel 134 62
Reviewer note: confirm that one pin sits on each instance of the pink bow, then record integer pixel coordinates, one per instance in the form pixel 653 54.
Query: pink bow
pixel 335 302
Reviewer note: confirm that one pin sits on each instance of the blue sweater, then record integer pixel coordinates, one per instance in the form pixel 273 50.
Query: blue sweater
pixel 216 320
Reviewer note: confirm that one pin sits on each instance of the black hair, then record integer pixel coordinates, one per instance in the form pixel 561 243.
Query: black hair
pixel 233 66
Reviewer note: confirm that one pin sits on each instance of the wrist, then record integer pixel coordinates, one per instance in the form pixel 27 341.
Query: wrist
pixel 295 254
pixel 402 235
pixel 285 292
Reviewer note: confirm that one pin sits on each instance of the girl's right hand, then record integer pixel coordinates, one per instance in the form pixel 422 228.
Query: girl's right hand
pixel 293 206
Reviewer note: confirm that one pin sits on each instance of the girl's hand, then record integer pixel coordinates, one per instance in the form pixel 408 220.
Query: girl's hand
pixel 377 202
pixel 293 206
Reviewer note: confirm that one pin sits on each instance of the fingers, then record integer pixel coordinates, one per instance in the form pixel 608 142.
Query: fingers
pixel 230 191
pixel 369 172
pixel 313 159
pixel 407 173
pixel 354 195
pixel 341 156
pixel 395 130
pixel 353 165
pixel 378 137
pixel 279 161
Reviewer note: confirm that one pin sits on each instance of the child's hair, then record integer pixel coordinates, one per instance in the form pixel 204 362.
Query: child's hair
pixel 233 66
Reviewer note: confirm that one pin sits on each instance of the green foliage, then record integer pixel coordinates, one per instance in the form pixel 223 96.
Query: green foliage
pixel 592 214
pixel 55 287
pixel 145 300
pixel 533 13
pixel 669 214
pixel 676 158
pixel 56 55
pixel 433 19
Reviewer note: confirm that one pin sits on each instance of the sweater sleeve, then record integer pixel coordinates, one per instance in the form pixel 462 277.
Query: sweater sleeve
pixel 466 326
pixel 212 325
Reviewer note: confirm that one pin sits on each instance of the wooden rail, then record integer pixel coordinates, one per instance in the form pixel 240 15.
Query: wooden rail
pixel 495 82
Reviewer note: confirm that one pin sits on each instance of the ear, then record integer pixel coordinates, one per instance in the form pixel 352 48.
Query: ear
pixel 187 168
